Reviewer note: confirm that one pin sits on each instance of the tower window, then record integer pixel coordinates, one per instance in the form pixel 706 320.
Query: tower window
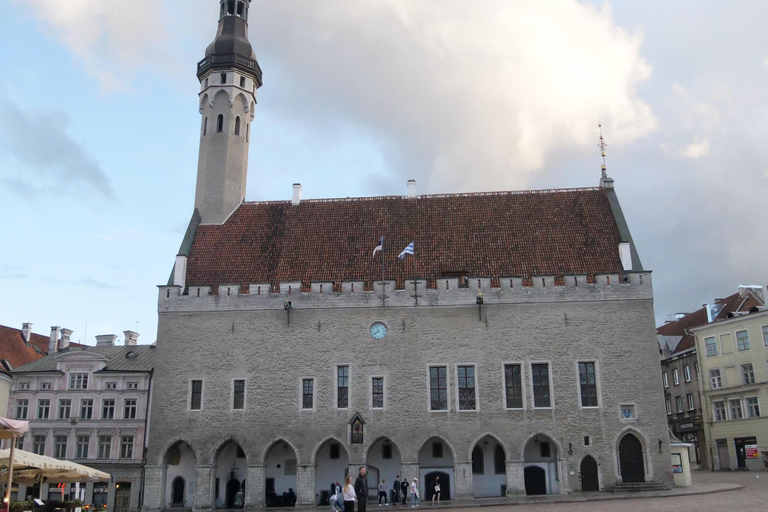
pixel 223 10
pixel 223 78
pixel 206 83
pixel 220 123
pixel 241 8
pixel 205 127
pixel 242 81
pixel 237 125
pixel 248 135
pixel 230 7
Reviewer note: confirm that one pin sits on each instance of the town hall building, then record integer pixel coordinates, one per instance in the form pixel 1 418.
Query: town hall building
pixel 512 351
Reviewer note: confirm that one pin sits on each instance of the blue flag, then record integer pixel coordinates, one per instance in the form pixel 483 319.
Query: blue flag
pixel 407 250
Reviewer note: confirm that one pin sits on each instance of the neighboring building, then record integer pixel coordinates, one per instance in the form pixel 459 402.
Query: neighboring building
pixel 513 353
pixel 680 368
pixel 733 357
pixel 19 347
pixel 89 404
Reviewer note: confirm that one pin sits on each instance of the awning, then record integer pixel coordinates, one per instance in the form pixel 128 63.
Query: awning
pixel 12 428
pixel 33 467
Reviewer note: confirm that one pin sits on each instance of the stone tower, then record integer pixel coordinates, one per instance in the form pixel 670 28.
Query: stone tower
pixel 229 77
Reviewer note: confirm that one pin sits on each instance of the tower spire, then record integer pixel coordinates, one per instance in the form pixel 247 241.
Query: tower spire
pixel 605 180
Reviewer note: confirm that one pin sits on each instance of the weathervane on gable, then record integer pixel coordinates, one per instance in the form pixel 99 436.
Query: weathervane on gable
pixel 602 145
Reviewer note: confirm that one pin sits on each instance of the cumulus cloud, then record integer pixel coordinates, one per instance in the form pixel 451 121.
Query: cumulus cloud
pixel 39 144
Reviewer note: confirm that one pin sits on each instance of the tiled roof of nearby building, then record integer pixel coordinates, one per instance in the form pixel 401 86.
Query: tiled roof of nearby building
pixel 735 302
pixel 504 234
pixel 18 353
pixel 123 358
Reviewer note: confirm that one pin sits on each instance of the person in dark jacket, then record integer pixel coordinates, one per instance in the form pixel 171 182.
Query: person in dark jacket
pixel 361 490
pixel 396 491
pixel 404 486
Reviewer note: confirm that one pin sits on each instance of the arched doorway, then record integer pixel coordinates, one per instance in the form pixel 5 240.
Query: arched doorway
pixel 489 471
pixel 535 480
pixel 436 460
pixel 231 468
pixel 280 475
pixel 589 479
pixel 541 452
pixel 181 463
pixel 331 466
pixel 177 492
pixel 383 463
pixel 631 461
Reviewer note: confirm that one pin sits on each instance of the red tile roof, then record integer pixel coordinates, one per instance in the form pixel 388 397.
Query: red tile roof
pixel 503 234
pixel 735 302
pixel 13 348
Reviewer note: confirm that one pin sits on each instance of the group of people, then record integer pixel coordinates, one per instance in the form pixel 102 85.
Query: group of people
pixel 343 498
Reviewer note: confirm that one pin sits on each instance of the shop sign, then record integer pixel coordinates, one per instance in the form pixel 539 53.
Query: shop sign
pixel 752 451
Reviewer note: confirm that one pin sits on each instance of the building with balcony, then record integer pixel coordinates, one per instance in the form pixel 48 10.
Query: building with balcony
pixel 88 404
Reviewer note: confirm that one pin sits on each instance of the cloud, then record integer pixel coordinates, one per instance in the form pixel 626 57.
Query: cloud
pixel 698 148
pixel 40 144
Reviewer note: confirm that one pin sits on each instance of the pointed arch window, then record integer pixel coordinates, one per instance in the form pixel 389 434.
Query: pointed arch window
pixel 478 461
pixel 237 125
pixel 499 460
pixel 220 123
pixel 205 127
pixel 247 132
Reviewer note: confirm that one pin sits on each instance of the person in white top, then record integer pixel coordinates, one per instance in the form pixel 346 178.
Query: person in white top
pixel 349 495
pixel 415 493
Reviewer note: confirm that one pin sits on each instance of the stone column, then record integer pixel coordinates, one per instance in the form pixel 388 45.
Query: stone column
pixel 565 479
pixel 154 488
pixel 305 481
pixel 254 487
pixel 515 478
pixel 462 476
pixel 204 488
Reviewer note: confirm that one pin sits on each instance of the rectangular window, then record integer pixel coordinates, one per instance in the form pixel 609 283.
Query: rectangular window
pixel 126 447
pixel 342 387
pixel 129 409
pixel 65 408
pixel 718 411
pixel 742 338
pixel 43 408
pixel 669 406
pixel 242 81
pixel 45 386
pixel 238 394
pixel 691 405
pixel 20 443
pixel 132 385
pixel 665 379
pixel 588 384
pixel 438 388
pixel 196 395
pixel 711 344
pixel 38 445
pixel 437 450
pixel 86 408
pixel 78 381
pixel 765 335
pixel 540 378
pixel 676 377
pixel 386 451
pixel 110 385
pixel 466 383
pixel 679 403
pixel 23 386
pixel 60 447
pixel 223 78
pixel 753 407
pixel 22 408
pixel 687 373
pixel 513 385
pixel 105 447
pixel 748 373
pixel 108 409
pixel 308 393
pixel 736 412
pixel 377 392
pixel 715 381
pixel 335 451
pixel 82 447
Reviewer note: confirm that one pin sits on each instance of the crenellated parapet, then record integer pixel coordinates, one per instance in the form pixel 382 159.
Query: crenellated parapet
pixel 451 291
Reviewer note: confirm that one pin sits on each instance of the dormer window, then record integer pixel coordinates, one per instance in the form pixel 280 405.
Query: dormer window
pixel 78 381
pixel 110 385
pixel 45 386
pixel 23 386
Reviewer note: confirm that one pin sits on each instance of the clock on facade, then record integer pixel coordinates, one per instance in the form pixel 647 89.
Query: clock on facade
pixel 378 331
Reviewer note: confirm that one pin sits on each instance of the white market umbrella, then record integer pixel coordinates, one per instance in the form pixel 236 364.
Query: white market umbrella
pixel 11 429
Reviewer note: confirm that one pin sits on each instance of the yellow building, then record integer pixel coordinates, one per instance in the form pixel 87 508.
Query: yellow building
pixel 733 361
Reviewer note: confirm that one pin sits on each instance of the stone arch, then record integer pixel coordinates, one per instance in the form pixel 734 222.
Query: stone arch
pixel 646 449
pixel 253 110
pixel 487 482
pixel 204 102
pixel 480 438
pixel 316 448
pixel 221 95
pixel 327 469
pixel 441 438
pixel 274 443
pixel 281 462
pixel 542 471
pixel 545 434
pixel 241 97
pixel 161 460
pixel 180 460
pixel 381 467
pixel 228 468
pixel 218 447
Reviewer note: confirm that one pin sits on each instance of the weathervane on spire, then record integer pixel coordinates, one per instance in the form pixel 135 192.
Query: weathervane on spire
pixel 602 145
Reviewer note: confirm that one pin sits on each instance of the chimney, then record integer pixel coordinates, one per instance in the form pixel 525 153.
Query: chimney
pixel 180 272
pixel 625 254
pixel 65 335
pixel 296 199
pixel 54 342
pixel 411 188
pixel 26 332
pixel 131 338
pixel 106 340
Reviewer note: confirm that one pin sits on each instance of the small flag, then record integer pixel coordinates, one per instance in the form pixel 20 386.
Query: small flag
pixel 407 250
pixel 379 247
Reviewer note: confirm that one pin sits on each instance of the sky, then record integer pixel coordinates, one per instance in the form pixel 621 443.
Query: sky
pixel 99 130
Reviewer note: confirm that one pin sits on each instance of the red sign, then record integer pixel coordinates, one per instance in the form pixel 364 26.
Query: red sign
pixel 752 451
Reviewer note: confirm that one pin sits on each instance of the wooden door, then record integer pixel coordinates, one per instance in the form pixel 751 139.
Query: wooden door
pixel 123 498
pixel 631 460
pixel 589 480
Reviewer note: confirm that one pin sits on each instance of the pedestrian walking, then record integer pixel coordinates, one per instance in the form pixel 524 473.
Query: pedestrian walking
pixel 404 489
pixel 396 491
pixel 361 489
pixel 436 493
pixel 415 493
pixel 349 495
pixel 383 492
